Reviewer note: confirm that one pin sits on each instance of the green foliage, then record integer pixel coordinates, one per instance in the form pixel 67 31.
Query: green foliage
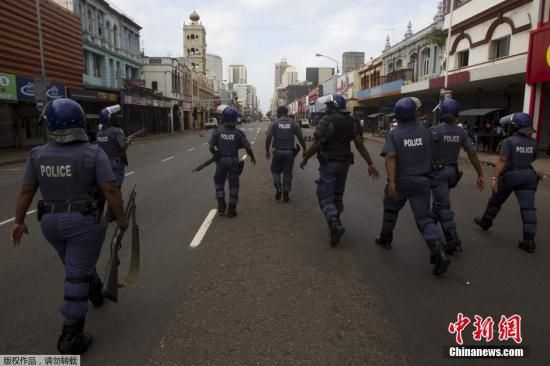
pixel 437 36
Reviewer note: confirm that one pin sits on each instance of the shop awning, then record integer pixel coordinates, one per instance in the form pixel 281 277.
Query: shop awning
pixel 375 115
pixel 479 111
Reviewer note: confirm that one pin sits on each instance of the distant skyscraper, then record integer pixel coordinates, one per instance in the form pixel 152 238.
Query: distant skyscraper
pixel 280 68
pixel 318 75
pixel 290 77
pixel 236 74
pixel 214 70
pixel 352 61
pixel 194 43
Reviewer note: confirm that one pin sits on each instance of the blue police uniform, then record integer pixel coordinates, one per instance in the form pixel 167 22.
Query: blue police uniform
pixel 412 146
pixel 110 139
pixel 520 178
pixel 335 133
pixel 448 139
pixel 283 131
pixel 228 141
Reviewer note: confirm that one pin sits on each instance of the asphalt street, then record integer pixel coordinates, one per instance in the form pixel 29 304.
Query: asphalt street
pixel 265 288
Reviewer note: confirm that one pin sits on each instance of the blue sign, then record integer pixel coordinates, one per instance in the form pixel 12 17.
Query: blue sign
pixel 25 89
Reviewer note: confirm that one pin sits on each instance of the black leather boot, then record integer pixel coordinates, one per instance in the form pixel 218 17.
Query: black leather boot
pixel 95 296
pixel 438 257
pixel 453 243
pixel 232 210
pixel 336 231
pixel 73 340
pixel 384 239
pixel 221 206
pixel 278 195
pixel 528 245
pixel 286 196
pixel 483 223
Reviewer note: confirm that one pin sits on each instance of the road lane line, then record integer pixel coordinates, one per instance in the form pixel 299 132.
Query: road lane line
pixel 206 143
pixel 203 229
pixel 191 149
pixel 129 173
pixel 13 218
pixel 168 158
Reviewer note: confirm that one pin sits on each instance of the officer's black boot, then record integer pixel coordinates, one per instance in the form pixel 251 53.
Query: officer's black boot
pixel 232 210
pixel 438 257
pixel 286 196
pixel 484 223
pixel 73 340
pixel 221 206
pixel 95 295
pixel 278 195
pixel 453 243
pixel 528 243
pixel 384 239
pixel 336 231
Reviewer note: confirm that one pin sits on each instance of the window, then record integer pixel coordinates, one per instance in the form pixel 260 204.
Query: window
pixel 86 63
pixel 463 58
pixel 90 22
pixel 100 25
pixel 499 48
pixel 425 61
pixel 115 36
pixel 108 32
pixel 154 85
pixel 398 64
pixel 96 65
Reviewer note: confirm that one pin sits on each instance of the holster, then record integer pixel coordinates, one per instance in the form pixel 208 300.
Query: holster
pixel 241 167
pixel 124 158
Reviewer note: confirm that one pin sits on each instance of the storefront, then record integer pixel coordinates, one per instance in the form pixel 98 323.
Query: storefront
pixel 93 101
pixel 8 98
pixel 146 111
pixel 187 118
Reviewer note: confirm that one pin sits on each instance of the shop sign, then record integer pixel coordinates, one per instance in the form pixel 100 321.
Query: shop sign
pixel 26 89
pixel 538 64
pixel 8 87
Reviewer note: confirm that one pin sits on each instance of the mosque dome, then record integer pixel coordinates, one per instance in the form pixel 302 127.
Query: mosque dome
pixel 194 16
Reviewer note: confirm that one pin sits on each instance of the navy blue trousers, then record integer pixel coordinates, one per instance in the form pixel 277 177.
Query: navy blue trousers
pixel 282 163
pixel 416 190
pixel 227 168
pixel 78 240
pixel 441 190
pixel 331 186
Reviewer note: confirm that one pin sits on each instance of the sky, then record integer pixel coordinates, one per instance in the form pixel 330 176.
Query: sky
pixel 258 33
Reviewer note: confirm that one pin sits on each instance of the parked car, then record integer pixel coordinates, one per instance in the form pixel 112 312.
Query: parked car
pixel 304 123
pixel 212 123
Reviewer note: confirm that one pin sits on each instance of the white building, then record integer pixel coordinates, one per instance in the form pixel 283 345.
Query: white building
pixel 280 68
pixel 214 70
pixel 236 74
pixel 194 43
pixel 290 77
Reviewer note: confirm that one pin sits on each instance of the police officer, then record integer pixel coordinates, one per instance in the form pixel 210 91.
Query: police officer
pixel 408 154
pixel 225 143
pixel 514 173
pixel 67 170
pixel 331 142
pixel 448 139
pixel 282 133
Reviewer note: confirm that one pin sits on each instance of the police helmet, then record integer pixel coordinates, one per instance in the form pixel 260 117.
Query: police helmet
pixel 64 113
pixel 405 109
pixel 521 122
pixel 450 107
pixel 282 111
pixel 230 115
pixel 105 114
pixel 337 102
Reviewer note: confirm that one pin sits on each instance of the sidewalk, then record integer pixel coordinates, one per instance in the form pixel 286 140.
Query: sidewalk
pixel 541 165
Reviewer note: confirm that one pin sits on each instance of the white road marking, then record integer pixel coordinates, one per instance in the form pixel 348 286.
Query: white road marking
pixel 191 149
pixel 168 158
pixel 13 218
pixel 129 173
pixel 206 143
pixel 11 170
pixel 203 229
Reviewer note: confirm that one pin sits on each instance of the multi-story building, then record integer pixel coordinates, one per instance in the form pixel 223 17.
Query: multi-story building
pixel 236 74
pixel 352 61
pixel 21 65
pixel 280 68
pixel 194 43
pixel 247 97
pixel 318 75
pixel 214 70
pixel 290 77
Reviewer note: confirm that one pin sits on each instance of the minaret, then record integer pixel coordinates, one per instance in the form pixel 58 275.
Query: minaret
pixel 409 33
pixel 388 45
pixel 194 43
pixel 440 16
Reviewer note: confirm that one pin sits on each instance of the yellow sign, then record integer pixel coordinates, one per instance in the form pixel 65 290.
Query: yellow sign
pixel 548 56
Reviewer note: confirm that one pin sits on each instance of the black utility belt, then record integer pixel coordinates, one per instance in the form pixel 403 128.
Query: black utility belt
pixel 439 165
pixel 508 169
pixel 85 208
pixel 284 148
pixel 116 158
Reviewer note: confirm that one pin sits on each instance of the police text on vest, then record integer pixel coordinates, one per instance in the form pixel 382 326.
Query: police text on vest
pixel 525 149
pixel 225 136
pixel 413 142
pixel 103 139
pixel 56 171
pixel 451 139
pixel 284 125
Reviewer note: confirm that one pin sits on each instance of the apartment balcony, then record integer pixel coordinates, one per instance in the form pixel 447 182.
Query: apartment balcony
pixel 102 82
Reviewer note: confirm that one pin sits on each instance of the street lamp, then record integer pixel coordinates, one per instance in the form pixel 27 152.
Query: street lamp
pixel 330 58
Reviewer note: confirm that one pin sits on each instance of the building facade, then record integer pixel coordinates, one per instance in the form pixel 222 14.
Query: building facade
pixel 214 70
pixel 290 77
pixel 352 61
pixel 194 43
pixel 318 75
pixel 236 74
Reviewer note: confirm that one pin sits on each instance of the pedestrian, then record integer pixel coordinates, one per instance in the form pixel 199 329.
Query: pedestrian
pixel 448 139
pixel 408 153
pixel 113 141
pixel 514 173
pixel 281 133
pixel 225 143
pixel 68 170
pixel 331 141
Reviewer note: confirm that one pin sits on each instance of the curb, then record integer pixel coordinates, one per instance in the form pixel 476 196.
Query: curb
pixel 14 161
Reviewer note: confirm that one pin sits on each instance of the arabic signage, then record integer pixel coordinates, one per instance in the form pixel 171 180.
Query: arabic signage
pixel 26 89
pixel 538 66
pixel 8 89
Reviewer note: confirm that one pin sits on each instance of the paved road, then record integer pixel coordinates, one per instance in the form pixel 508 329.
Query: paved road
pixel 265 288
